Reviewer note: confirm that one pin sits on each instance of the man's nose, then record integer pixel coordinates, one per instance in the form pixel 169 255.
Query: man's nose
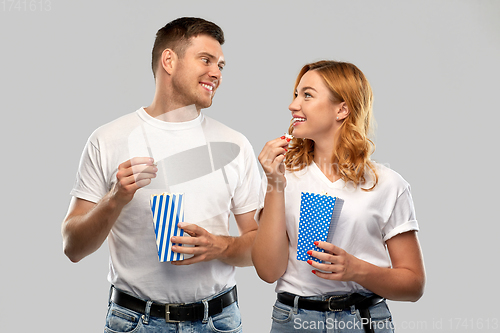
pixel 215 72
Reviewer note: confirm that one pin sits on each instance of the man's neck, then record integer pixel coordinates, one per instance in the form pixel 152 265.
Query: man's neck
pixel 172 114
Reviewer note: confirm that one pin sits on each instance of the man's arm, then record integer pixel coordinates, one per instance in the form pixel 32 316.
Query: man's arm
pixel 234 251
pixel 87 224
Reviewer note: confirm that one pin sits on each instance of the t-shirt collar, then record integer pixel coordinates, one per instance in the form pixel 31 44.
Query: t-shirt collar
pixel 170 125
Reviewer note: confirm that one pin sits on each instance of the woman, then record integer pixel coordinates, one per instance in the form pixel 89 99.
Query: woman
pixel 374 253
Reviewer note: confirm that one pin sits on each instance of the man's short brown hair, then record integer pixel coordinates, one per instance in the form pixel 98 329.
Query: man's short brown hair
pixel 176 34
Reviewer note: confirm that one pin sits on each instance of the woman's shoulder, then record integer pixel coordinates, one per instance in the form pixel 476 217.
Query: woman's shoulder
pixel 388 177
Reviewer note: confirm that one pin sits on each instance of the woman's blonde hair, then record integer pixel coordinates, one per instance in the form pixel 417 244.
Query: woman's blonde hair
pixel 353 148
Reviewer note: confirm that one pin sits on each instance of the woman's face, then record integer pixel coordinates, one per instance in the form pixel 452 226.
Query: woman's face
pixel 313 111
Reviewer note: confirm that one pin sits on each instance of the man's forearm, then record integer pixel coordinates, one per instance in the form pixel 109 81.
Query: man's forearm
pixel 88 226
pixel 238 250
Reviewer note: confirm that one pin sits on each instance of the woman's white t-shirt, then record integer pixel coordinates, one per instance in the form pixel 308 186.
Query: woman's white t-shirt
pixel 367 220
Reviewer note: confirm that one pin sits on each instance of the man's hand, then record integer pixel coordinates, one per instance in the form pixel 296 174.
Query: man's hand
pixel 131 176
pixel 205 246
pixel 233 251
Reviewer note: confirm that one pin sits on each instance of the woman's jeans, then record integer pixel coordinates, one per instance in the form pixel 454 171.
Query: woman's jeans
pixel 288 319
pixel 121 320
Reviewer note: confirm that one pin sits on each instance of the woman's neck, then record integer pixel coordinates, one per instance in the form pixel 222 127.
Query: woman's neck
pixel 323 157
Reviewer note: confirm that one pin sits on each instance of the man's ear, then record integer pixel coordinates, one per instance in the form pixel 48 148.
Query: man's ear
pixel 168 60
pixel 342 111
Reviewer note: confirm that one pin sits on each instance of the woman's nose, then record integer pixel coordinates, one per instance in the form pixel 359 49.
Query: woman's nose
pixel 294 106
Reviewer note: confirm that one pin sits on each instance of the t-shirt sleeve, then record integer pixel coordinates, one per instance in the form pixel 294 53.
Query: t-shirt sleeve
pixel 246 196
pixel 403 216
pixel 90 182
pixel 262 197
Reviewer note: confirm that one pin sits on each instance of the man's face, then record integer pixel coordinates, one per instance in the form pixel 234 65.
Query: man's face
pixel 197 75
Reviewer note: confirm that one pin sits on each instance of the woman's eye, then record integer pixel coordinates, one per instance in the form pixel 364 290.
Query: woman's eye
pixel 306 95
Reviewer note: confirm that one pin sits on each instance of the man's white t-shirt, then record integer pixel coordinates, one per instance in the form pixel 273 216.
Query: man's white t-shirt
pixel 213 165
pixel 366 221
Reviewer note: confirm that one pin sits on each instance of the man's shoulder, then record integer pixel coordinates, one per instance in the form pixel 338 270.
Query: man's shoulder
pixel 117 127
pixel 223 131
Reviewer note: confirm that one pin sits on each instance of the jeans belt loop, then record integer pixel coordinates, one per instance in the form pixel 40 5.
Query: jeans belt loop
pixel 110 293
pixel 296 304
pixel 205 311
pixel 167 313
pixel 145 318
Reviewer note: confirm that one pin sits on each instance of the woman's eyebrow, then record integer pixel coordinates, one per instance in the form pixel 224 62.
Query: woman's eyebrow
pixel 306 88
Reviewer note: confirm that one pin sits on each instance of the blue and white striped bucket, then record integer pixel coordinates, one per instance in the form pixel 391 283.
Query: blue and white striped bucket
pixel 168 211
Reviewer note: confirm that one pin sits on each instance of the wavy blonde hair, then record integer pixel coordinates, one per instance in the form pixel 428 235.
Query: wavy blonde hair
pixel 353 148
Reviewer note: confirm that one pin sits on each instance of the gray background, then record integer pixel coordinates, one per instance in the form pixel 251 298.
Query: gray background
pixel 67 67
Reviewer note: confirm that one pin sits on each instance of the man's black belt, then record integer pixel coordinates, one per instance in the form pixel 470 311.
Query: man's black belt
pixel 336 303
pixel 175 312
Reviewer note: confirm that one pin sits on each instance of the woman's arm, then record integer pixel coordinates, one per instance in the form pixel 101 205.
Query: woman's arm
pixel 405 281
pixel 270 248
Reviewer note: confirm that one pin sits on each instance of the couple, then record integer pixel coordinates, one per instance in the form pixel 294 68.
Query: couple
pixel 170 146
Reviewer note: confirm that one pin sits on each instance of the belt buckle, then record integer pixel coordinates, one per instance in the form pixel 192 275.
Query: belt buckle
pixel 330 303
pixel 167 313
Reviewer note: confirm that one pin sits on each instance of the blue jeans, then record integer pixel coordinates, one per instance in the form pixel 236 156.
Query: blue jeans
pixel 288 319
pixel 121 320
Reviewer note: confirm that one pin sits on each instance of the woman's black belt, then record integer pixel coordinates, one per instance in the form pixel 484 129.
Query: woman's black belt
pixel 336 303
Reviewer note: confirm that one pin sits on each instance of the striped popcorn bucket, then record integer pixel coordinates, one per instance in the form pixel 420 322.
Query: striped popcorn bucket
pixel 168 211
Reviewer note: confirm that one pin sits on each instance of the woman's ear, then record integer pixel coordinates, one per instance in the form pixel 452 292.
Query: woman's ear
pixel 168 60
pixel 342 111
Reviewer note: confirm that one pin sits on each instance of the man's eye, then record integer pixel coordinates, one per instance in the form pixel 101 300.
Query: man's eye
pixel 221 68
pixel 205 60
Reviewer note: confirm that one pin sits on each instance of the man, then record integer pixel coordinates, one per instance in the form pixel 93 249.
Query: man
pixel 169 146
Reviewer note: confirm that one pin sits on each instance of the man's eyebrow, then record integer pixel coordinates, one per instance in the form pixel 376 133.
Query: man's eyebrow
pixel 212 57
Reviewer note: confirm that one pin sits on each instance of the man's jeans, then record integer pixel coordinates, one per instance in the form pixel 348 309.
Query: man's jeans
pixel 121 320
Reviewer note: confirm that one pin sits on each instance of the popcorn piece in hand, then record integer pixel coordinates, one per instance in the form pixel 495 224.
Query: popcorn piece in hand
pixel 288 137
